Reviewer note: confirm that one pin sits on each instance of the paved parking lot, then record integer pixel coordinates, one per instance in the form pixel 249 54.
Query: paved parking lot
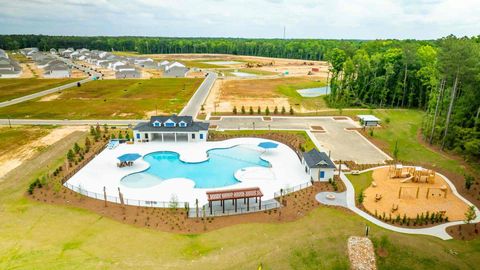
pixel 343 144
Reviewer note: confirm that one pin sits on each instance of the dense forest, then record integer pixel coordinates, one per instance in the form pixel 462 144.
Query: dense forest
pixel 441 77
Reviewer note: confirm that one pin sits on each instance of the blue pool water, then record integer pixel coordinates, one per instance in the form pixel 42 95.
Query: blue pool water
pixel 217 171
pixel 314 92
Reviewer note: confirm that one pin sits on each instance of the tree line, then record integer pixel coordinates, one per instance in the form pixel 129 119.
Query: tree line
pixel 307 49
pixel 440 77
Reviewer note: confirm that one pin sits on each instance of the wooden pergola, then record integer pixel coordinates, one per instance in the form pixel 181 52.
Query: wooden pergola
pixel 234 195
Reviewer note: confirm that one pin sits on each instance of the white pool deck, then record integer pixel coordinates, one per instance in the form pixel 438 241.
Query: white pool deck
pixel 286 171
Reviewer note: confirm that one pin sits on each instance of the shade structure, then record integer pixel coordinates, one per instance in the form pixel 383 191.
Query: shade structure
pixel 129 157
pixel 268 145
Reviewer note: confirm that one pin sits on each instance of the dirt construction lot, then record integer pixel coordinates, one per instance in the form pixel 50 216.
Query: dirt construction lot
pixel 408 203
pixel 229 93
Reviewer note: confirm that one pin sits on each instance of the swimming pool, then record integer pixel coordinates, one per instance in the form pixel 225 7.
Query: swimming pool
pixel 217 171
pixel 314 92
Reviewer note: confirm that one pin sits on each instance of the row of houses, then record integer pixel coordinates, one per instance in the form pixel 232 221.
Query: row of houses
pixel 125 67
pixel 51 65
pixel 9 68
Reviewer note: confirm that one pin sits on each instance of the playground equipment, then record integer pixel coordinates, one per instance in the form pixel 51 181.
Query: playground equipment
pixel 417 190
pixel 412 174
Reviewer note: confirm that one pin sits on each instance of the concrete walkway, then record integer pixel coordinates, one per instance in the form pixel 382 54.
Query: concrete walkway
pixel 437 231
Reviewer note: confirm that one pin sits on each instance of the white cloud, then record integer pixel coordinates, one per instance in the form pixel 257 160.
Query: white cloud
pixel 363 19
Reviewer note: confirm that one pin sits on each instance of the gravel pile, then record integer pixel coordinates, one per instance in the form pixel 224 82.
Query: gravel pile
pixel 361 253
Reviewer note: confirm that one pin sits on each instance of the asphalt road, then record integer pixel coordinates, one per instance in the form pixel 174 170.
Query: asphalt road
pixel 195 103
pixel 41 93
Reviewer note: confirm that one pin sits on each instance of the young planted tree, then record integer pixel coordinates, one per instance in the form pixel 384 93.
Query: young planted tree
pixel 469 180
pixel 470 214
pixel 234 110
pixel 250 111
pixel 396 150
pixel 70 156
pixel 283 110
pixel 243 109
pixel 76 148
pixel 267 111
pixel 259 110
pixel 275 111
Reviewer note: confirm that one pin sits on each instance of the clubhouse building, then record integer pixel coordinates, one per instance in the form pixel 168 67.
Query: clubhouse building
pixel 171 129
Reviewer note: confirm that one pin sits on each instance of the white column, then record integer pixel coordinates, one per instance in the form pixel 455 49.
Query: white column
pixel 162 136
pixel 175 134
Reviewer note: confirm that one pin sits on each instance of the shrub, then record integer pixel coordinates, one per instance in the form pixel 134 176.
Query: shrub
pixel 70 156
pixel 243 109
pixel 76 148
pixel 361 197
pixel 267 111
pixel 234 109
pixel 259 110
pixel 283 110
pixel 387 120
pixel 275 111
pixel 250 110
pixel 469 180
pixel 291 111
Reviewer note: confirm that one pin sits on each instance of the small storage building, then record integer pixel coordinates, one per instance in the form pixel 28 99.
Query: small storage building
pixel 318 165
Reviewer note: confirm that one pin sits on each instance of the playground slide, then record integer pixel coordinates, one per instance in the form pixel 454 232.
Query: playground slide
pixel 407 180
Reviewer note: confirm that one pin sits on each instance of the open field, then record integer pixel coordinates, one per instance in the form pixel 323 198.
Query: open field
pixel 14 88
pixel 18 144
pixel 227 94
pixel 45 236
pixel 110 99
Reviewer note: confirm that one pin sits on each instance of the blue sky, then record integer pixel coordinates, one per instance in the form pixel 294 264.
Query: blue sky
pixel 357 19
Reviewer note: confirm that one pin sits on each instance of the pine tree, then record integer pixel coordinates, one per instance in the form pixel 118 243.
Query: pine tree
pixel 70 156
pixel 267 111
pixel 234 109
pixel 243 109
pixel 283 110
pixel 250 110
pixel 275 111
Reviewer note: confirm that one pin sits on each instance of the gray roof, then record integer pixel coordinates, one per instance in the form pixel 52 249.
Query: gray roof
pixel 192 126
pixel 316 159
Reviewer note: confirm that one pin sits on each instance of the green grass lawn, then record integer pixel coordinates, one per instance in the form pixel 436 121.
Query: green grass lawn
pixel 110 99
pixel 290 90
pixel 404 127
pixel 14 88
pixel 360 181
